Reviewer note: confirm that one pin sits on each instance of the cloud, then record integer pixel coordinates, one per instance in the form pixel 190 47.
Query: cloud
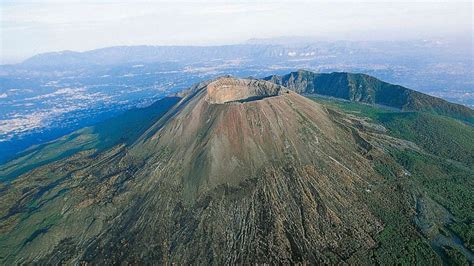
pixel 40 26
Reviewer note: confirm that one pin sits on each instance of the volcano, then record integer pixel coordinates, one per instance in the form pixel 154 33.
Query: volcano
pixel 238 171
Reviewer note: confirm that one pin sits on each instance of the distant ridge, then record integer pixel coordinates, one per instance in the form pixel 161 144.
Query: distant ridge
pixel 143 54
pixel 367 89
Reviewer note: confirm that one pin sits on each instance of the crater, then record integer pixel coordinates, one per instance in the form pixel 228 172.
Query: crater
pixel 228 89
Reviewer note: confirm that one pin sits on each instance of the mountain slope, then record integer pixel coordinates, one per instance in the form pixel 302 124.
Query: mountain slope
pixel 242 171
pixel 367 89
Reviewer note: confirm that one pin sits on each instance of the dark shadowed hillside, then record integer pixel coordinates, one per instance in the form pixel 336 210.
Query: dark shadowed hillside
pixel 367 89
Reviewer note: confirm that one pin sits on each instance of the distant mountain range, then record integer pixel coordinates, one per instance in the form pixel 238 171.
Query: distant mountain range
pixel 342 52
pixel 145 54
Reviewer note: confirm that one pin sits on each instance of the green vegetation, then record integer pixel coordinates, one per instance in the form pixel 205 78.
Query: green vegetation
pixel 449 184
pixel 443 170
pixel 442 136
pixel 456 256
pixel 399 243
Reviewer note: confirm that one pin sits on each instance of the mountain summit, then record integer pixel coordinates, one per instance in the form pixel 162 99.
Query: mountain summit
pixel 229 89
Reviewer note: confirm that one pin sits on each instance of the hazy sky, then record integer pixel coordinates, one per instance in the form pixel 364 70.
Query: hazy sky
pixel 31 27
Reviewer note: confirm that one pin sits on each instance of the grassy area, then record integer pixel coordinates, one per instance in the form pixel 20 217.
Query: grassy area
pixel 442 136
pixel 449 184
